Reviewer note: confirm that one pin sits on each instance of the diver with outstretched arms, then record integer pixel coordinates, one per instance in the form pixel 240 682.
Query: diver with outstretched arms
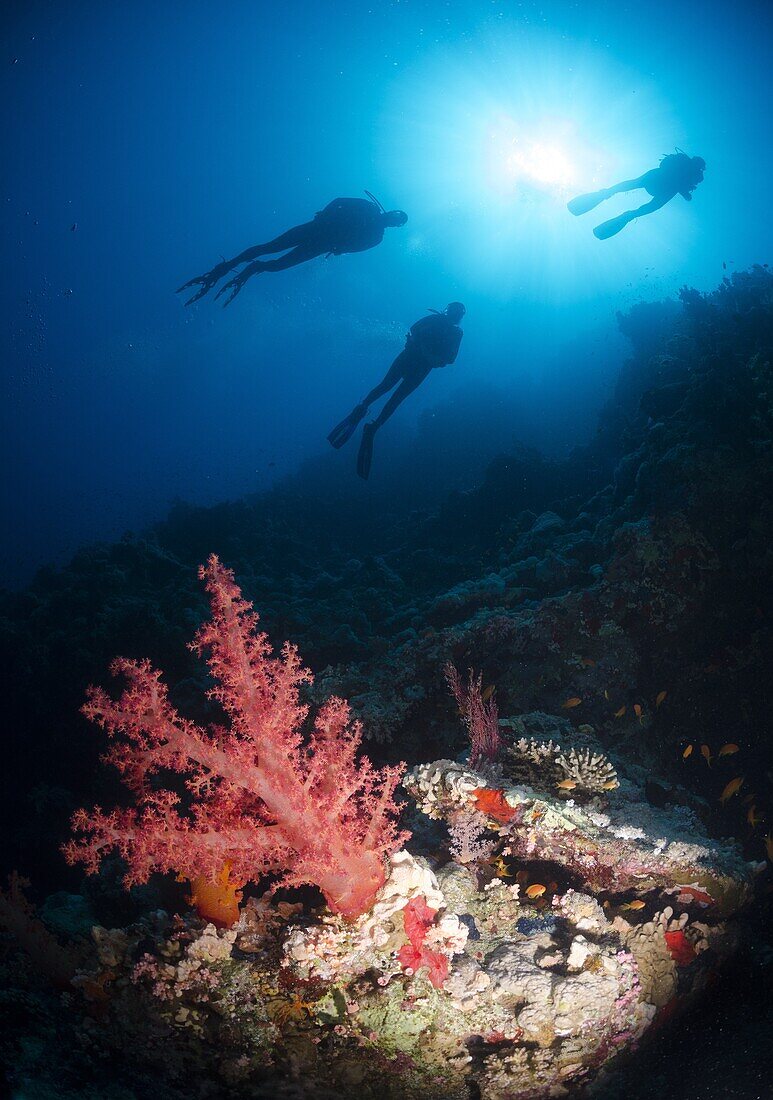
pixel 344 225
pixel 432 342
pixel 677 174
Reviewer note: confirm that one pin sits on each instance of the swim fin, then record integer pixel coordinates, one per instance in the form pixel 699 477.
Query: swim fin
pixel 583 203
pixel 365 455
pixel 614 225
pixel 344 431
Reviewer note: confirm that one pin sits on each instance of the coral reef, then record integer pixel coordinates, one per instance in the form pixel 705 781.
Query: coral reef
pixel 453 979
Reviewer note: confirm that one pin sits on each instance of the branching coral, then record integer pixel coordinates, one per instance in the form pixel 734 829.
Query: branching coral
pixel 543 762
pixel 592 771
pixel 261 799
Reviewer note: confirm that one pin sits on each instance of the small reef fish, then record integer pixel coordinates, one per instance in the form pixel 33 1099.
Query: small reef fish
pixel 500 868
pixel 687 752
pixel 636 904
pixel 733 787
pixel 706 754
pixel 753 817
pixel 536 890
pixel 637 710
pixel 659 698
pixel 727 750
pixel 611 785
pixel 487 693
pixel 574 701
pixel 620 713
pixel 588 663
pixel 769 847
pixel 566 785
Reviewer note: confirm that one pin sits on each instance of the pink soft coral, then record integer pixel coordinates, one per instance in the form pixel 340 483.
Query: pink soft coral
pixel 261 799
pixel 418 918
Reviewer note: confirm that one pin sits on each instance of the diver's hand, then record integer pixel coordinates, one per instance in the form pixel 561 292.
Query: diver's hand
pixel 205 282
pixel 233 286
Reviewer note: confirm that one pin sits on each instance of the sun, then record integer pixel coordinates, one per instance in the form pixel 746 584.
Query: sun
pixel 542 164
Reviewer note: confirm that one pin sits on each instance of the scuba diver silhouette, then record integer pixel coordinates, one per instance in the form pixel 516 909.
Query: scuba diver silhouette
pixel 344 225
pixel 677 174
pixel 432 342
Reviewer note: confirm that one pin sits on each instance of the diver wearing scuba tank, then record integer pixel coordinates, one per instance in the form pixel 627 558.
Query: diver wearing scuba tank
pixel 344 225
pixel 431 342
pixel 677 174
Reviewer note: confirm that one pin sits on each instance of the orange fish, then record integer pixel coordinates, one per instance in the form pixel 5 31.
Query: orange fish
pixel 535 891
pixel 727 750
pixel 769 847
pixel 566 785
pixel 659 698
pixel 753 817
pixel 687 752
pixel 573 702
pixel 637 710
pixel 588 663
pixel 637 904
pixel 611 785
pixel 487 693
pixel 620 713
pixel 706 754
pixel 733 787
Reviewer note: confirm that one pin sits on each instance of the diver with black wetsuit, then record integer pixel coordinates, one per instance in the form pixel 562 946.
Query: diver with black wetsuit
pixel 432 342
pixel 344 225
pixel 677 174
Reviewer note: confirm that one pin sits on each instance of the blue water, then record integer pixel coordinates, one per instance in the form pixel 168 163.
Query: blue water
pixel 142 142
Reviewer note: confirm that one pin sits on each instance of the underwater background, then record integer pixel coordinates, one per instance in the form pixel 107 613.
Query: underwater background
pixel 609 416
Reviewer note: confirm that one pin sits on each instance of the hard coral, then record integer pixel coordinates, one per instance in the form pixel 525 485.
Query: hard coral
pixel 261 800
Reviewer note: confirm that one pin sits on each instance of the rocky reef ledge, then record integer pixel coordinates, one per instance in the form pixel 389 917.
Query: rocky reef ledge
pixel 554 919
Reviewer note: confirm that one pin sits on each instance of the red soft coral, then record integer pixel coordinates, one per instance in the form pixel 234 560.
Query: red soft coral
pixel 418 918
pixel 261 798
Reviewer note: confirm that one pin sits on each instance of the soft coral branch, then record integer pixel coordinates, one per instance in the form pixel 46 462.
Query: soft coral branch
pixel 481 716
pixel 261 798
